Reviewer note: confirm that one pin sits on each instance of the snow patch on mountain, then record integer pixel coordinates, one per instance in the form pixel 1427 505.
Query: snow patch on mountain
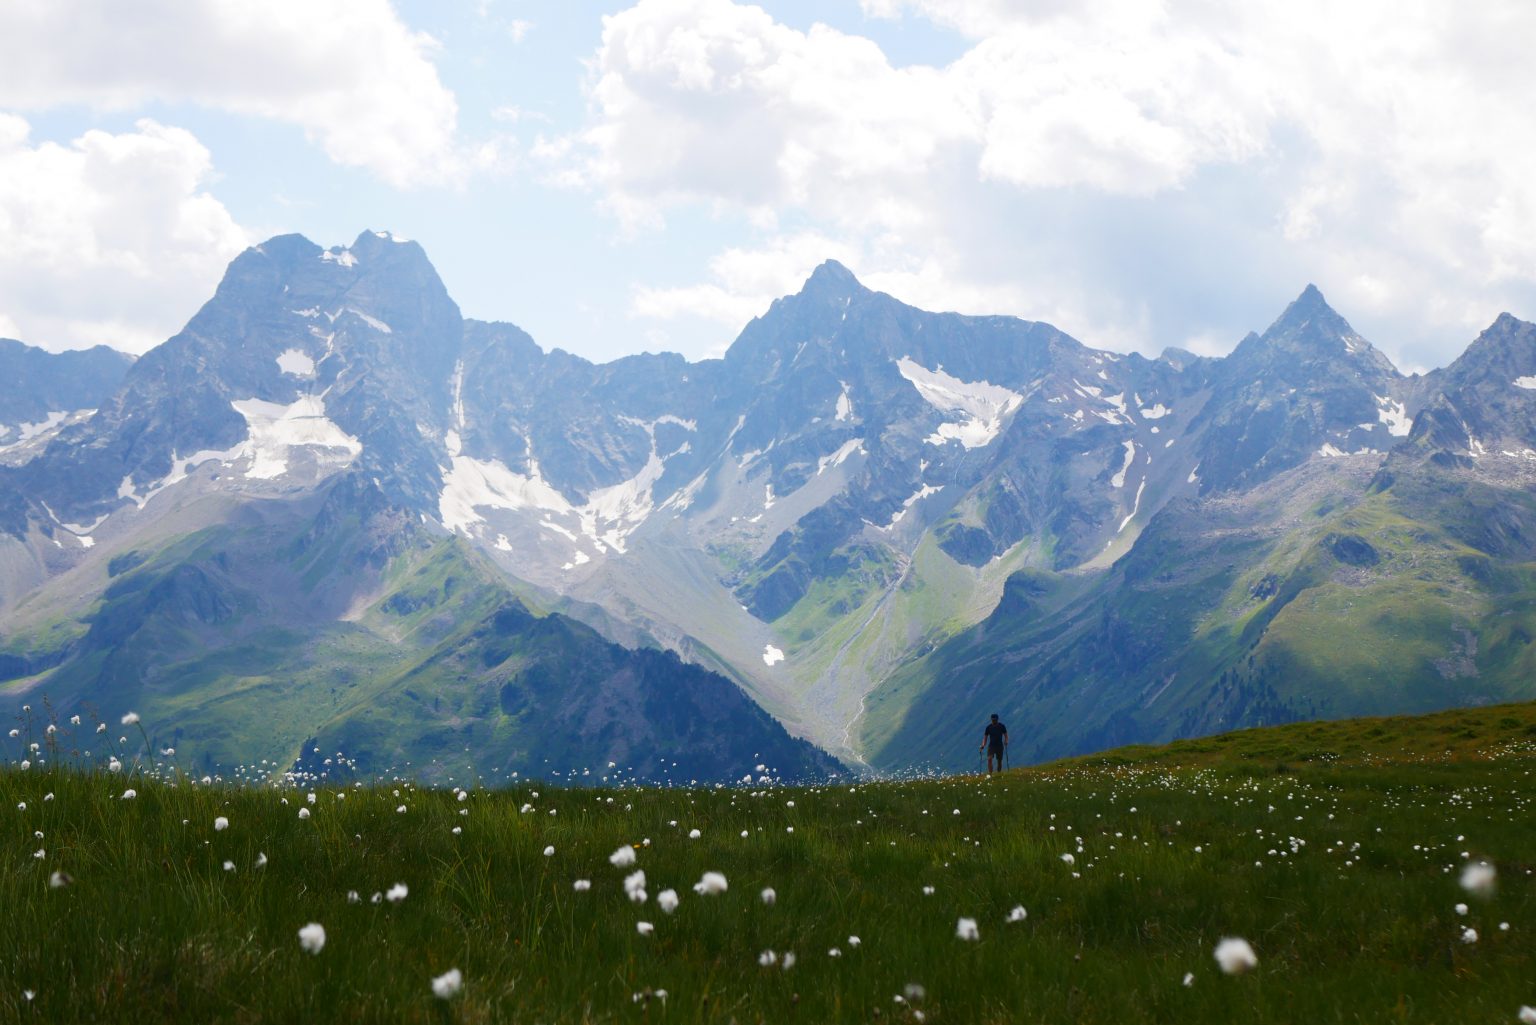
pixel 33 430
pixel 292 361
pixel 1118 480
pixel 910 501
pixel 844 404
pixel 371 321
pixel 985 406
pixel 181 468
pixel 1154 412
pixel 276 429
pixel 1394 415
pixel 848 448
pixel 1135 507
pixel 343 257
pixel 771 655
pixel 607 518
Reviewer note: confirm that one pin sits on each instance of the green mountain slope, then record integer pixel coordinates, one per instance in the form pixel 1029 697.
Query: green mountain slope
pixel 1320 595
pixel 339 625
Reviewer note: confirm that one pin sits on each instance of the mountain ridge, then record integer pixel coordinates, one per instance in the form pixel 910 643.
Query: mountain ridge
pixel 853 496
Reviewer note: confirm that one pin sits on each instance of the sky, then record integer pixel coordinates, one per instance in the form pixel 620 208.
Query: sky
pixel 617 177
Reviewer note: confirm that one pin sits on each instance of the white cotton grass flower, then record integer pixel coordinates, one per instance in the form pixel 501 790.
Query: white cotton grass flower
pixel 129 794
pixel 549 852
pixel 1527 1015
pixel 667 901
pixel 854 941
pixel 1068 858
pixel 312 938
pixel 634 886
pixel 131 719
pixel 229 866
pixel 59 880
pixel 220 824
pixel 787 960
pixel 694 834
pixel 582 885
pixel 1469 935
pixel 353 897
pixel 623 857
pixel 261 860
pixel 768 959
pixel 1460 909
pixel 1480 879
pixel 644 928
pixel 395 894
pixel 448 985
pixel 965 929
pixel 113 765
pixel 770 897
pixel 303 814
pixel 40 853
pixel 834 952
pixel 1018 914
pixel 1189 979
pixel 928 891
pixel 1235 955
pixel 710 884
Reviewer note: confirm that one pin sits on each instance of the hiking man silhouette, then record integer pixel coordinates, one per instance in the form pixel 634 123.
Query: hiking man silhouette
pixel 995 740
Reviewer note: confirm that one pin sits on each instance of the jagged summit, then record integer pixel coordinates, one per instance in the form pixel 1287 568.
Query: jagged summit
pixel 832 276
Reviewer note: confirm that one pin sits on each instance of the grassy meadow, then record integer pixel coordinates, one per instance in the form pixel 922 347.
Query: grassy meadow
pixel 1337 851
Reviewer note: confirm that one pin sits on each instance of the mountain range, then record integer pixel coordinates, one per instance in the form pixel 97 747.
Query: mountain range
pixel 332 514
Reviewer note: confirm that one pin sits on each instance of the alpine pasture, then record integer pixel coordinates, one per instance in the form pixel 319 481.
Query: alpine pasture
pixel 1363 871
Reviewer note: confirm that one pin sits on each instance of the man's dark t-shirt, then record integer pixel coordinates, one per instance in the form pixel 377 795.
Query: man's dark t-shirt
pixel 995 733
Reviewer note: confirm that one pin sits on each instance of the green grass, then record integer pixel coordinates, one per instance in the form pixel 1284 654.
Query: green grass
pixel 1179 847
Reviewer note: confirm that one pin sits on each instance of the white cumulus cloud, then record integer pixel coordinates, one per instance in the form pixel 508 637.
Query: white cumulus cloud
pixel 1142 174
pixel 358 81
pixel 111 238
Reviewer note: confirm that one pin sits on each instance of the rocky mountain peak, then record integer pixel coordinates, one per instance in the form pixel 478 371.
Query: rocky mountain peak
pixel 832 278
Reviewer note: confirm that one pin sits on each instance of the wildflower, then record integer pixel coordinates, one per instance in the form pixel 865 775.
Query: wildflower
pixel 1461 909
pixel 353 897
pixel 25 764
pixel 787 961
pixel 582 885
pixel 395 894
pixel 644 928
pixel 229 866
pixel 694 834
pixel 769 896
pixel 303 814
pixel 853 941
pixel 21 805
pixel 1527 1015
pixel 965 929
pixel 834 952
pixel 449 984
pixel 220 824
pixel 74 720
pixel 1189 979
pixel 1018 914
pixel 312 798
pixel 1068 858
pixel 623 857
pixel 113 765
pixel 312 938
pixel 130 794
pixel 927 891
pixel 131 719
pixel 710 883
pixel 1235 956
pixel 40 854
pixel 457 830
pixel 1479 879
pixel 101 727
pixel 400 810
pixel 634 886
pixel 59 880
pixel 1469 935
pixel 767 959
pixel 667 901
pixel 15 734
